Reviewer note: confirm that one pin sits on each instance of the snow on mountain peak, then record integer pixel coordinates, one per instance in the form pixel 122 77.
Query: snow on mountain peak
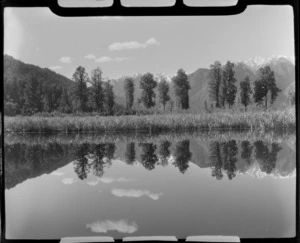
pixel 167 77
pixel 257 62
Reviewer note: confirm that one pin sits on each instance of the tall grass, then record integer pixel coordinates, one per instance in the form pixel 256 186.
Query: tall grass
pixel 284 121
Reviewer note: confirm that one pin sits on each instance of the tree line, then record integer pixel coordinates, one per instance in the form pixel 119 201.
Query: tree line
pixel 148 83
pixel 223 90
pixel 91 93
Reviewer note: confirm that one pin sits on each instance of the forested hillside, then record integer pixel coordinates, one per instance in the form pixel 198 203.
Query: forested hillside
pixel 46 85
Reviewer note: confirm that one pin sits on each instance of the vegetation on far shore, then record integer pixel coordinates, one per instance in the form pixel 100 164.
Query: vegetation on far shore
pixel 264 121
pixel 88 105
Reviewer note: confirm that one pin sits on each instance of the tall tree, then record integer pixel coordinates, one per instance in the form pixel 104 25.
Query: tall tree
pixel 21 94
pixel 96 96
pixel 181 88
pixel 32 96
pixel 273 89
pixel 129 92
pixel 228 85
pixel 80 92
pixel 292 95
pixel 215 79
pixel 15 88
pixel 65 105
pixel 260 92
pixel 206 106
pixel 109 98
pixel 47 102
pixel 245 92
pixel 147 84
pixel 264 85
pixel 163 92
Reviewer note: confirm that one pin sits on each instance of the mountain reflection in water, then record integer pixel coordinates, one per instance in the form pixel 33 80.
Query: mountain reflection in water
pixel 27 157
pixel 135 184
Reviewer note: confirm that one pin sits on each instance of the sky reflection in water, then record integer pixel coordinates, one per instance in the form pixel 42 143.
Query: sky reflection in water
pixel 185 186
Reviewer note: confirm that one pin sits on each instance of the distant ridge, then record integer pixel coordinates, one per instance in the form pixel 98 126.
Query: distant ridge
pixel 283 67
pixel 14 68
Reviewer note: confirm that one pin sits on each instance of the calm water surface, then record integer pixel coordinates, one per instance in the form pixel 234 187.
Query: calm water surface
pixel 123 186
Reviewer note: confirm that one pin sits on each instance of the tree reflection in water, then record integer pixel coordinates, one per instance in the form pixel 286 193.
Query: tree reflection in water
pixel 97 159
pixel 110 149
pixel 101 156
pixel 246 151
pixel 81 164
pixel 266 159
pixel 223 156
pixel 216 159
pixel 230 152
pixel 164 152
pixel 130 153
pixel 182 155
pixel 148 156
pixel 33 159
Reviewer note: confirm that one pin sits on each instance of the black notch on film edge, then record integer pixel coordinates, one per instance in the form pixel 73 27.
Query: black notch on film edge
pixel 178 9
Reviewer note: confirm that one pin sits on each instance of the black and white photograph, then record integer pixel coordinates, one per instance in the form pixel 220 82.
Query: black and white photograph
pixel 178 127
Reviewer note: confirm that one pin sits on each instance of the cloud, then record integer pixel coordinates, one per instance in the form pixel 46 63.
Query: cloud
pixel 121 226
pixel 112 59
pixel 118 46
pixel 68 181
pixel 55 67
pixel 92 183
pixel 90 56
pixel 57 173
pixel 152 41
pixel 66 59
pixel 135 193
pixel 104 59
pixel 108 180
pixel 13 33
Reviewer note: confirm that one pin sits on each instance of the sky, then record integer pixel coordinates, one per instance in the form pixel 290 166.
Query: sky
pixel 128 45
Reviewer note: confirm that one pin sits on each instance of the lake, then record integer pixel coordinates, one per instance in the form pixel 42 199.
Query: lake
pixel 141 184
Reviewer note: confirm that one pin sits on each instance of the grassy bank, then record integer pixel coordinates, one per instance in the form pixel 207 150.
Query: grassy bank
pixel 284 121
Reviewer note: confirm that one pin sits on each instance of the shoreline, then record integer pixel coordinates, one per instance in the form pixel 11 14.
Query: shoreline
pixel 263 121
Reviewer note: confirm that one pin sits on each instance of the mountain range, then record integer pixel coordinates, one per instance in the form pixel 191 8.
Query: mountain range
pixel 283 67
